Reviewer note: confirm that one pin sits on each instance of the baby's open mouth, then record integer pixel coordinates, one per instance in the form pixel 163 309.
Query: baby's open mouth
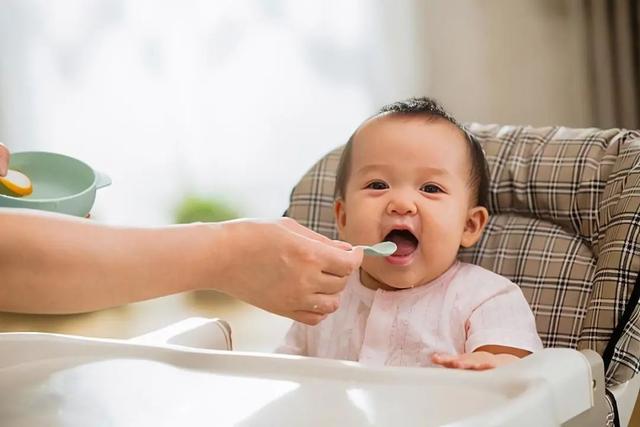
pixel 405 240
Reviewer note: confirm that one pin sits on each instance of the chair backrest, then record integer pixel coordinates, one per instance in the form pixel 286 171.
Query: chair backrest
pixel 565 226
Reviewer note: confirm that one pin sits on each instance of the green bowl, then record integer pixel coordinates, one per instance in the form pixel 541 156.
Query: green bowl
pixel 60 183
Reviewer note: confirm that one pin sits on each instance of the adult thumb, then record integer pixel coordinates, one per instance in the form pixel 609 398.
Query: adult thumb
pixel 4 159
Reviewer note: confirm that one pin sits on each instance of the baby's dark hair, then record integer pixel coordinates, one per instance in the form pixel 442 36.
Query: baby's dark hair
pixel 431 110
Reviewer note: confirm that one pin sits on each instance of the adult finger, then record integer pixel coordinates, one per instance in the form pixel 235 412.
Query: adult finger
pixel 308 317
pixel 298 228
pixel 339 262
pixel 341 245
pixel 322 304
pixel 328 284
pixel 4 159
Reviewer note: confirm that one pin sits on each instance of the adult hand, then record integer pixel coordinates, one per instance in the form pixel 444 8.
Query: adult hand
pixel 4 159
pixel 285 268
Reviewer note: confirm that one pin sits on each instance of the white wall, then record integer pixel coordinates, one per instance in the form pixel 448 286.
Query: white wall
pixel 508 61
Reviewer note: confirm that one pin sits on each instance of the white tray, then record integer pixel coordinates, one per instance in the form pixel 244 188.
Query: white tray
pixel 60 380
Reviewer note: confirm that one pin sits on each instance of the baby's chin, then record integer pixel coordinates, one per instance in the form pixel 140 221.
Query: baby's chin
pixel 404 284
pixel 388 282
pixel 401 286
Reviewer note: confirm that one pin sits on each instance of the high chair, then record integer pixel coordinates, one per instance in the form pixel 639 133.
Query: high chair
pixel 565 226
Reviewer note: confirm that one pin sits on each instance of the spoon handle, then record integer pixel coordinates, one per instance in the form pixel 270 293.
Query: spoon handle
pixel 379 249
pixel 368 250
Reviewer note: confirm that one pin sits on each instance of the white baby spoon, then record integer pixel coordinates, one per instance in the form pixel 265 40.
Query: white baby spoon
pixel 379 249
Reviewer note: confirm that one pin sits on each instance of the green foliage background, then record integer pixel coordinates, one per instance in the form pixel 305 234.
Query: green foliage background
pixel 194 208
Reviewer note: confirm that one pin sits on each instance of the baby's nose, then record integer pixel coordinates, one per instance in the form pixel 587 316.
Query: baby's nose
pixel 402 206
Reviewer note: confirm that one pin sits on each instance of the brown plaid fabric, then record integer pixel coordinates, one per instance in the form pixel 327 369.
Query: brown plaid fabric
pixel 565 226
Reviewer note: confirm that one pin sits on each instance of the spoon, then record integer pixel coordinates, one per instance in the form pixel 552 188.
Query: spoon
pixel 17 183
pixel 379 249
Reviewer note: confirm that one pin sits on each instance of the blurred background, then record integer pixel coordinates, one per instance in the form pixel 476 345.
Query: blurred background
pixel 207 110
pixel 234 101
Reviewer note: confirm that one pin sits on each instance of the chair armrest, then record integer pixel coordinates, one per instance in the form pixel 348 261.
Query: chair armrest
pixel 597 415
pixel 569 375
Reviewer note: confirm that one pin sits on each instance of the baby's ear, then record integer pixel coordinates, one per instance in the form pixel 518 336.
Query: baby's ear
pixel 341 215
pixel 477 219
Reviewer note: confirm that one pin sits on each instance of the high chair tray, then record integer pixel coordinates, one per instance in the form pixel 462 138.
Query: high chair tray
pixel 60 380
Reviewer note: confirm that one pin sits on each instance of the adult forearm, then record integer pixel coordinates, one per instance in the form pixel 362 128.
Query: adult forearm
pixel 53 264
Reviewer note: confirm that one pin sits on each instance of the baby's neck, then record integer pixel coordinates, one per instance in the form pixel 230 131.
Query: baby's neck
pixel 368 281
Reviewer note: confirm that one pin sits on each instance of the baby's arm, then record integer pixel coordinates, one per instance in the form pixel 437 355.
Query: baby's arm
pixel 485 357
pixel 502 316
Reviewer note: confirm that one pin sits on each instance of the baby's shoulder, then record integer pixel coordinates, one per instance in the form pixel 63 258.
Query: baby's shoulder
pixel 473 277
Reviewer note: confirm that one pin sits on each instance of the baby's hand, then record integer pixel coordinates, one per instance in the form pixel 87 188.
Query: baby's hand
pixel 476 361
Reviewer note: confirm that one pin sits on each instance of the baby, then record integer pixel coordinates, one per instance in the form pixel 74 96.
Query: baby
pixel 411 175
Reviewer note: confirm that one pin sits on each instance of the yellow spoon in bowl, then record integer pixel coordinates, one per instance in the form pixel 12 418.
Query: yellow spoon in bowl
pixel 17 183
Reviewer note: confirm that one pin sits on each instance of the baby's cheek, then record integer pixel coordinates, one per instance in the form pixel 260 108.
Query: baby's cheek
pixel 446 230
pixel 452 211
pixel 361 231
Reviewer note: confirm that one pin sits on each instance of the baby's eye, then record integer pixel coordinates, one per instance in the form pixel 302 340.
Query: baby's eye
pixel 377 185
pixel 430 188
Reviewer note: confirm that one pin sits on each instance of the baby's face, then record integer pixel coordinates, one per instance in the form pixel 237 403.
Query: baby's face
pixel 409 183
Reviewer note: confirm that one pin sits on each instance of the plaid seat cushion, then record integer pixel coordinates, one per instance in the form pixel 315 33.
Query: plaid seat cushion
pixel 565 222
